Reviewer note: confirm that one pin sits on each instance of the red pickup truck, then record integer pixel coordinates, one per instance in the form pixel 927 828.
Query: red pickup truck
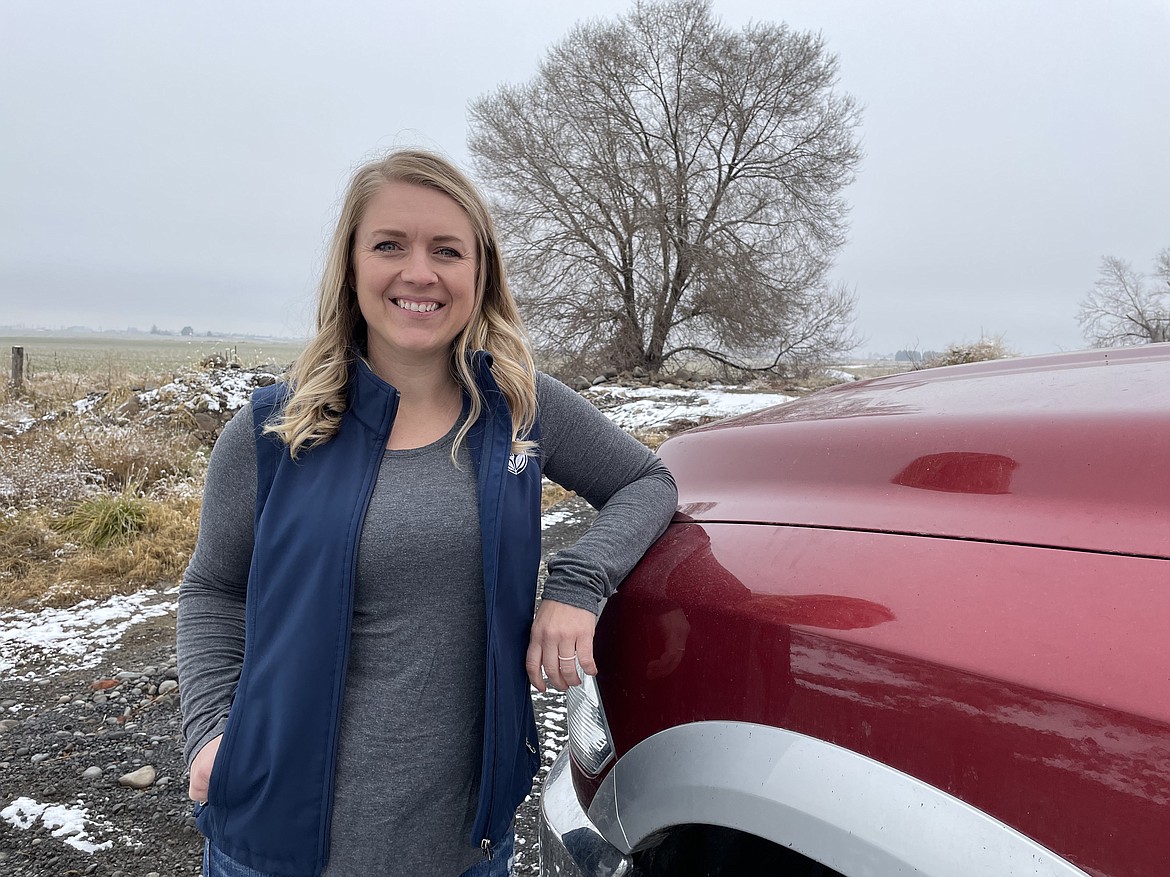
pixel 910 626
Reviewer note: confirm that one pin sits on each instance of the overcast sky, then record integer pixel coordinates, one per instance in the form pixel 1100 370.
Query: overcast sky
pixel 181 164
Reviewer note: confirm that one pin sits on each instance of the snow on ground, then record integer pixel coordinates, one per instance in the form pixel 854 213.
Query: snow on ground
pixel 76 637
pixel 649 409
pixel 68 823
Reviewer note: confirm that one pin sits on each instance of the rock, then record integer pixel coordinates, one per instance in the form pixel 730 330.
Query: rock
pixel 104 684
pixel 206 423
pixel 127 675
pixel 610 373
pixel 640 372
pixel 129 408
pixel 167 686
pixel 600 379
pixel 143 778
pixel 39 757
pixel 91 773
pixel 8 724
pixel 581 383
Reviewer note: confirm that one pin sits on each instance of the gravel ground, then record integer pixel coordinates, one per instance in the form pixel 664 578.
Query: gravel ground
pixel 81 740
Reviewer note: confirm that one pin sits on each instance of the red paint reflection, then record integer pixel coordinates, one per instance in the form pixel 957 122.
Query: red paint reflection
pixel 959 472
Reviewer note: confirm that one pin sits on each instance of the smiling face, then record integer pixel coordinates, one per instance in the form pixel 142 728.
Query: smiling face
pixel 414 269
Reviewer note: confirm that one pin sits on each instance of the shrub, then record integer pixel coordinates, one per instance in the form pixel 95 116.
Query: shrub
pixel 979 351
pixel 105 521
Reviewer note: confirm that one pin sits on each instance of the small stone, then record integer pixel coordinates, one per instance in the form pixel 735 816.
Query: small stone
pixel 91 773
pixel 39 757
pixel 65 698
pixel 103 684
pixel 7 704
pixel 129 408
pixel 127 675
pixel 168 686
pixel 143 778
pixel 205 422
pixel 8 724
pixel 149 671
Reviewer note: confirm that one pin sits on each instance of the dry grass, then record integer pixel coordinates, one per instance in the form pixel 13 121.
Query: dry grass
pixel 978 351
pixel 551 493
pixel 41 566
pixel 105 521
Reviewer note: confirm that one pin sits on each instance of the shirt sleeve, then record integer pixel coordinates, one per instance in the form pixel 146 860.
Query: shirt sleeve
pixel 210 623
pixel 631 488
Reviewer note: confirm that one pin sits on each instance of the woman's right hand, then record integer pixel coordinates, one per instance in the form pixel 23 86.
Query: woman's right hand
pixel 201 770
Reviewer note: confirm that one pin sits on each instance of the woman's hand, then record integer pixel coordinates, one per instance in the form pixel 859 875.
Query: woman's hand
pixel 201 770
pixel 562 637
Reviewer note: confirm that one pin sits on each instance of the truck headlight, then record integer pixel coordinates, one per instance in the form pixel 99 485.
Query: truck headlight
pixel 589 739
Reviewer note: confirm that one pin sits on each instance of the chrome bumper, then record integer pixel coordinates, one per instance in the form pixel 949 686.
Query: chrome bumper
pixel 570 845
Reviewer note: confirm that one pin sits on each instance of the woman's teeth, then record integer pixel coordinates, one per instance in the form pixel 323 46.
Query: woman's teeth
pixel 422 307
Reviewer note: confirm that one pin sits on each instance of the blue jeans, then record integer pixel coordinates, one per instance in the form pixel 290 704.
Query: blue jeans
pixel 216 864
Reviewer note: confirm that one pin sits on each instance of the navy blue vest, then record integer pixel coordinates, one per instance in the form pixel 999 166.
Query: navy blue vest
pixel 271 790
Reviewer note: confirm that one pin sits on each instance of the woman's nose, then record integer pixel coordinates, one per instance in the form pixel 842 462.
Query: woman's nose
pixel 418 269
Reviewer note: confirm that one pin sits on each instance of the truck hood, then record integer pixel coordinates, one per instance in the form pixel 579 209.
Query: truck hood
pixel 1068 451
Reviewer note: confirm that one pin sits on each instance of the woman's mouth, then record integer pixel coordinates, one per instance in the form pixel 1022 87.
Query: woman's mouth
pixel 418 307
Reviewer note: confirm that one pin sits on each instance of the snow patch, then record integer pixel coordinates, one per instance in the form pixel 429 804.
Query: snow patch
pixel 76 637
pixel 646 409
pixel 67 823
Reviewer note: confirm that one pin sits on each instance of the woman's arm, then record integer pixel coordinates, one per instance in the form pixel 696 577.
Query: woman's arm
pixel 635 496
pixel 210 626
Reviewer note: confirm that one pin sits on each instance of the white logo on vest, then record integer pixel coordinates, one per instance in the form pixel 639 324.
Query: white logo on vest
pixel 517 463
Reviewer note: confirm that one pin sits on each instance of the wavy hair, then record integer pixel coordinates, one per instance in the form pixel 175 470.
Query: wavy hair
pixel 320 375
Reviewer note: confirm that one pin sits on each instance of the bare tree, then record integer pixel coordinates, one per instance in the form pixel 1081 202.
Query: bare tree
pixel 669 187
pixel 1126 307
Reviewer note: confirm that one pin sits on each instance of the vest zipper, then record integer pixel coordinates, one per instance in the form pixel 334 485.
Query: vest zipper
pixel 486 846
pixel 335 736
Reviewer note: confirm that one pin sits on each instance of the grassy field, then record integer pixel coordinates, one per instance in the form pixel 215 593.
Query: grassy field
pixel 104 362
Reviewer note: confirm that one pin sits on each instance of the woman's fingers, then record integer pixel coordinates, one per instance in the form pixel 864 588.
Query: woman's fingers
pixel 562 636
pixel 532 662
pixel 201 770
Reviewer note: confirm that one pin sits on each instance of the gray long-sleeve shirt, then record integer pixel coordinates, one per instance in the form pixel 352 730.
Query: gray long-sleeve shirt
pixel 411 724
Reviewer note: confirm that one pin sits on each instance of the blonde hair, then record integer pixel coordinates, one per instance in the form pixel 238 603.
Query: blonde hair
pixel 320 375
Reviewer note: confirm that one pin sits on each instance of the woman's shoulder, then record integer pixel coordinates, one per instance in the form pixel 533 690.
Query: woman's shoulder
pixel 554 395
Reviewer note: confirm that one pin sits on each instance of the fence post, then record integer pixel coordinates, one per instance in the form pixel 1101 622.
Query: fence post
pixel 17 367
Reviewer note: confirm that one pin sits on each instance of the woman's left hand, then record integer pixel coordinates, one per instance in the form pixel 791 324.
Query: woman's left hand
pixel 562 637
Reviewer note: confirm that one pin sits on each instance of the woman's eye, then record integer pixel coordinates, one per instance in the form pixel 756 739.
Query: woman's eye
pixel 387 246
pixel 449 253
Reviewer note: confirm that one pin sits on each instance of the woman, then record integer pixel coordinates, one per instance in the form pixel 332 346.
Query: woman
pixel 369 540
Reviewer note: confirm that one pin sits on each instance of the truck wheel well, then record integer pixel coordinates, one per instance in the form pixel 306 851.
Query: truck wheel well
pixel 716 851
